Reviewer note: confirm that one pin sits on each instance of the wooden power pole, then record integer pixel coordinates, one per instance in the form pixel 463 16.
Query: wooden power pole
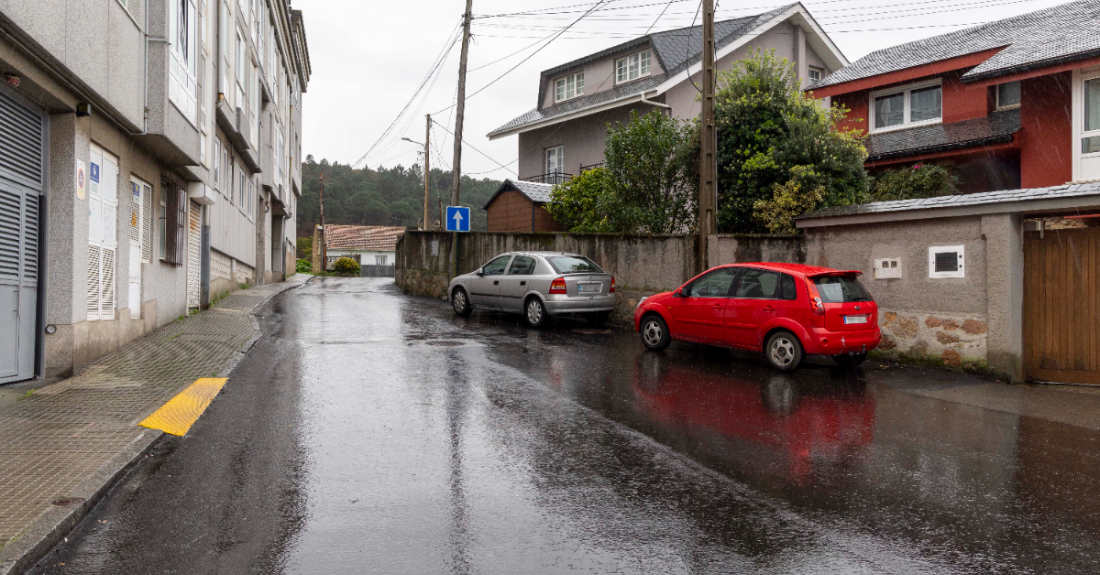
pixel 460 116
pixel 427 169
pixel 708 168
pixel 324 232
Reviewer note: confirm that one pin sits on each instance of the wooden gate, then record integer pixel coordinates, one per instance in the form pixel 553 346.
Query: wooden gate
pixel 1062 306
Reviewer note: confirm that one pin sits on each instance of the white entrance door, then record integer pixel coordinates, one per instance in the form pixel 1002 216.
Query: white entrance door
pixel 137 225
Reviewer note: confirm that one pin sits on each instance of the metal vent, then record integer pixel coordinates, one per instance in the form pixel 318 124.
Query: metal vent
pixel 9 235
pixel 20 143
pixel 147 223
pixel 30 240
pixel 94 264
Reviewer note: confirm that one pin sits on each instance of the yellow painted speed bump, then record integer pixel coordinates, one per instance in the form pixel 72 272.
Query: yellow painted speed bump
pixel 183 410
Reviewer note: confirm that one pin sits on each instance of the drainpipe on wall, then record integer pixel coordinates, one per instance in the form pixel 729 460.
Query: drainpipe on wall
pixel 204 265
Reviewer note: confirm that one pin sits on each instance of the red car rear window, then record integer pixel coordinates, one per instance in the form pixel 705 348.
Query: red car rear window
pixel 841 289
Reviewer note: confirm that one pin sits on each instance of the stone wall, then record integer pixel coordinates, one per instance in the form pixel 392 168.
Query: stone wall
pixel 641 265
pixel 949 338
pixel 734 248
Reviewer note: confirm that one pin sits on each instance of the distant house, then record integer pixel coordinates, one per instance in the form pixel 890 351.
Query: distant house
pixel 566 131
pixel 367 245
pixel 518 207
pixel 1009 104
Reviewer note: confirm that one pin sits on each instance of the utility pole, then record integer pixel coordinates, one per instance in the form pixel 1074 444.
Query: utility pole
pixel 324 232
pixel 427 168
pixel 708 168
pixel 456 175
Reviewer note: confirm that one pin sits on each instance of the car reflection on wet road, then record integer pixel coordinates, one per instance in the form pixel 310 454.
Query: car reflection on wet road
pixel 426 443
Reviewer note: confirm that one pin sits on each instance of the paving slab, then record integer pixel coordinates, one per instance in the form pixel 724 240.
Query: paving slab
pixel 64 445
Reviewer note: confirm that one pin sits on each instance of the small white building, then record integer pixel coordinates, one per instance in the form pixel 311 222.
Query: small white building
pixel 367 245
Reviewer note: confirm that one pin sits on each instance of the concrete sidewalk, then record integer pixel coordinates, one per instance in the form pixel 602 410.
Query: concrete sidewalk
pixel 62 446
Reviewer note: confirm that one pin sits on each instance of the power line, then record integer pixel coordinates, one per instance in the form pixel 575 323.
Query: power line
pixel 431 72
pixel 475 149
pixel 557 35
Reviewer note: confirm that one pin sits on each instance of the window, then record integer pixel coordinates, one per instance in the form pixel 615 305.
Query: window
pixel 162 222
pixel 251 198
pixel 715 284
pixel 757 284
pixel 241 190
pixel 555 160
pixel 496 266
pixel 380 260
pixel 226 50
pixel 522 266
pixel 217 164
pixel 226 183
pixel 888 269
pixel 574 265
pixel 173 223
pixel 259 30
pixel 1008 95
pixel 183 86
pixel 841 289
pixel 787 288
pixel 946 262
pixel 816 74
pixel 905 107
pixel 1090 144
pixel 242 71
pixel 254 111
pixel 632 67
pixel 568 87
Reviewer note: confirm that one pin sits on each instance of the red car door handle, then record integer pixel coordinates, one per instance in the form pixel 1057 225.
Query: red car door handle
pixel 769 307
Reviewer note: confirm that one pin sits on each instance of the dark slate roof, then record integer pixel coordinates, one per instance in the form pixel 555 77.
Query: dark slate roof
pixel 1060 34
pixel 994 128
pixel 675 50
pixel 1000 197
pixel 538 193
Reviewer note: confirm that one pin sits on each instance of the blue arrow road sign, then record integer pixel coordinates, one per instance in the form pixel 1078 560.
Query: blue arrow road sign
pixel 458 219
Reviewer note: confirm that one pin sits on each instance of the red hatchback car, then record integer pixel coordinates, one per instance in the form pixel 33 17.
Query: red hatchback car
pixel 784 310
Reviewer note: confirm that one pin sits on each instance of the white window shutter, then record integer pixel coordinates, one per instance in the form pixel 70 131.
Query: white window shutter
pixel 107 286
pixel 94 266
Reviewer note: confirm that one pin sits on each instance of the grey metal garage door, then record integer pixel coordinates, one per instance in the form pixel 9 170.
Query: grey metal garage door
pixel 21 183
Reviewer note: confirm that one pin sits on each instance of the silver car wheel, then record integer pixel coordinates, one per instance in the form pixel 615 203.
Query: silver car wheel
pixel 459 301
pixel 652 332
pixel 534 312
pixel 781 351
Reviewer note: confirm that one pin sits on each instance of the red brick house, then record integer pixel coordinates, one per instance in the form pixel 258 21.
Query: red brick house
pixel 1009 104
pixel 518 207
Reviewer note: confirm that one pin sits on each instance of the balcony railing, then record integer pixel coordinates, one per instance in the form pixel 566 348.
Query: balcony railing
pixel 556 178
pixel 584 169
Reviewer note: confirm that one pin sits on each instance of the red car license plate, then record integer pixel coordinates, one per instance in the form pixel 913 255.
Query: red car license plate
pixel 849 319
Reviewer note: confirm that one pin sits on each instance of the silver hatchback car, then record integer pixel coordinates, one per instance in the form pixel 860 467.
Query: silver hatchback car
pixel 538 285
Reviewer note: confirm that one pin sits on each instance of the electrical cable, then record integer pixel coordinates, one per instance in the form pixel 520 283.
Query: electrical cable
pixel 435 67
pixel 477 150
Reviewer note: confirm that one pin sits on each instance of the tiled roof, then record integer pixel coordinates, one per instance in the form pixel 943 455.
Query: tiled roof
pixel 377 238
pixel 996 127
pixel 1062 33
pixel 676 50
pixel 1000 197
pixel 538 193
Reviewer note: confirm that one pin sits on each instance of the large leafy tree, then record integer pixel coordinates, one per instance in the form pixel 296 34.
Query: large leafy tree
pixel 646 185
pixel 776 145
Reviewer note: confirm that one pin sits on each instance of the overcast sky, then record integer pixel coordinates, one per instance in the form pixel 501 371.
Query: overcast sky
pixel 369 57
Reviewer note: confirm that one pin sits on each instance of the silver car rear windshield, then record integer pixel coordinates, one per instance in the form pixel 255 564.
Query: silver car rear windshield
pixel 841 289
pixel 573 265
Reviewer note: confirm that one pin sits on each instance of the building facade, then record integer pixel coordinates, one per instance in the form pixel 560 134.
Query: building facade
pixel 567 130
pixel 1003 105
pixel 126 198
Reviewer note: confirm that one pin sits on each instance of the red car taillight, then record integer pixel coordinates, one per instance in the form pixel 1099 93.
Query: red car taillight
pixel 558 286
pixel 815 298
pixel 612 284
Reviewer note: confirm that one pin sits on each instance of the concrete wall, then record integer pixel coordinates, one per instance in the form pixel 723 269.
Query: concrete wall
pixel 946 319
pixel 642 265
pixel 583 140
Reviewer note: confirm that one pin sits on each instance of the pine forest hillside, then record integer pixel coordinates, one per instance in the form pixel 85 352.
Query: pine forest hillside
pixel 383 197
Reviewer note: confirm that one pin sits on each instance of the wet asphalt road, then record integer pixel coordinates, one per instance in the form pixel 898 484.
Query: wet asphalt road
pixel 371 432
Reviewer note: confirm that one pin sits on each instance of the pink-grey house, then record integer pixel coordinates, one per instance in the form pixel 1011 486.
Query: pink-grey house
pixel 567 130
